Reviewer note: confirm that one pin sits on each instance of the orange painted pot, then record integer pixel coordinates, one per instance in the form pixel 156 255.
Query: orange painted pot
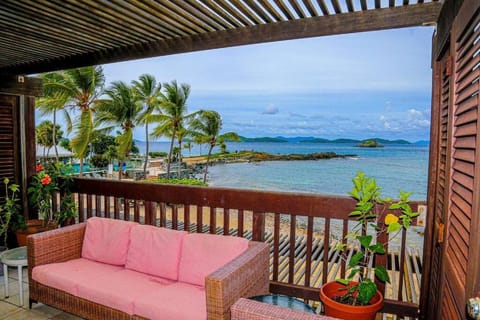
pixel 345 311
pixel 33 226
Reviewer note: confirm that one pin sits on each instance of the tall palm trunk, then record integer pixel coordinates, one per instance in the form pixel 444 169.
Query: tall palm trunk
pixel 54 138
pixel 80 174
pixel 208 162
pixel 146 151
pixel 170 154
pixel 120 168
pixel 179 160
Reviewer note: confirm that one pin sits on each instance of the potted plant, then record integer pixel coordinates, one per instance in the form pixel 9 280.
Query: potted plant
pixel 44 187
pixel 356 296
pixel 10 217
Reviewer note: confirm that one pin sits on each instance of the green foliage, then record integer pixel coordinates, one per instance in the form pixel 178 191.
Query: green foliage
pixel 99 161
pixel 191 182
pixel 10 217
pixel 52 178
pixel 157 154
pixel 370 207
pixel 101 142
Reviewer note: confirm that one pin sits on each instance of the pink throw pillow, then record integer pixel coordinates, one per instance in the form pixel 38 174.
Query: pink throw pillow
pixel 155 251
pixel 107 240
pixel 203 254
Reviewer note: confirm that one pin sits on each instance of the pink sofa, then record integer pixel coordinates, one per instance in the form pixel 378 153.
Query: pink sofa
pixel 114 269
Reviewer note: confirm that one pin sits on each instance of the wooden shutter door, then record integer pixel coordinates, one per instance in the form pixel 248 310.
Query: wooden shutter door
pixel 9 137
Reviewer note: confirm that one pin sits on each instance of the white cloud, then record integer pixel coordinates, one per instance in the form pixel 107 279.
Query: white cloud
pixel 270 109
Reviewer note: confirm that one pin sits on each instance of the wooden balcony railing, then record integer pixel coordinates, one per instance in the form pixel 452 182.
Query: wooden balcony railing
pixel 302 230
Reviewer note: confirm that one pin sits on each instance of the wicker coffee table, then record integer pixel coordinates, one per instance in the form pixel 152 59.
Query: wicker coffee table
pixel 14 258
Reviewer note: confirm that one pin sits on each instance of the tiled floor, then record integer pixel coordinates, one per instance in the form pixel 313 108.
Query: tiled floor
pixel 10 310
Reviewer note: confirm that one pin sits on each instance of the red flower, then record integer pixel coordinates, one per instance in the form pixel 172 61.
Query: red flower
pixel 46 180
pixel 38 167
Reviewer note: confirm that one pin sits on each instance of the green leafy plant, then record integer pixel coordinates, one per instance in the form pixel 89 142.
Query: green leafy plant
pixel 371 206
pixel 52 178
pixel 10 210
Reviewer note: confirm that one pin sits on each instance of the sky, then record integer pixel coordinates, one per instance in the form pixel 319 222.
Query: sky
pixel 371 84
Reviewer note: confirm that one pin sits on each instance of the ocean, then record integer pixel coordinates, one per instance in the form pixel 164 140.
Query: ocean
pixel 394 167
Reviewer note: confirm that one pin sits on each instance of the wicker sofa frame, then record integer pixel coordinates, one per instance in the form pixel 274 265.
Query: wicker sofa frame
pixel 247 275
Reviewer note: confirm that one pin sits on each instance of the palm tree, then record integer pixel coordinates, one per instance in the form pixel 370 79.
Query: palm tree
pixel 47 135
pixel 188 146
pixel 80 89
pixel 207 128
pixel 148 92
pixel 51 102
pixel 121 109
pixel 174 107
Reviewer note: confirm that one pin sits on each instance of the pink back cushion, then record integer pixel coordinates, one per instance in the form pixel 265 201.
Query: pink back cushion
pixel 202 254
pixel 155 251
pixel 107 240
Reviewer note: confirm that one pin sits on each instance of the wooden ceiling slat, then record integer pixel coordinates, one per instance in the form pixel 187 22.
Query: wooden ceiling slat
pixel 378 4
pixel 235 12
pixel 118 32
pixel 323 7
pixel 311 9
pixel 258 10
pixel 267 5
pixel 297 8
pixel 221 12
pixel 106 13
pixel 186 16
pixel 101 19
pixel 75 23
pixel 286 11
pixel 246 11
pixel 123 10
pixel 222 22
pixel 336 6
pixel 159 17
pixel 183 5
pixel 37 39
pixel 363 4
pixel 53 17
pixel 31 48
pixel 350 6
pixel 24 24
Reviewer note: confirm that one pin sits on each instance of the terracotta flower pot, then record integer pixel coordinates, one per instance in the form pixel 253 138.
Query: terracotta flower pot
pixel 33 226
pixel 345 311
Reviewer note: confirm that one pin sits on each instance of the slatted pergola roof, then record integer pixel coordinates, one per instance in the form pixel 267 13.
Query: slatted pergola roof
pixel 45 35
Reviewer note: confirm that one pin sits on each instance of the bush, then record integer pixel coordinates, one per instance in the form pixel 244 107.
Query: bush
pixel 185 181
pixel 99 161
pixel 157 154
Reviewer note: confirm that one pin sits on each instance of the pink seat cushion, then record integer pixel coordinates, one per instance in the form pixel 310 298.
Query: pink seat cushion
pixel 119 290
pixel 107 240
pixel 68 275
pixel 179 301
pixel 202 254
pixel 155 251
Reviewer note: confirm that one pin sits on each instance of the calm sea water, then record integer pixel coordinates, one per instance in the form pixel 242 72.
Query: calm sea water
pixel 394 167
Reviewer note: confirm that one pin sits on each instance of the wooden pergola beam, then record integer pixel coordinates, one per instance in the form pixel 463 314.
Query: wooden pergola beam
pixel 370 20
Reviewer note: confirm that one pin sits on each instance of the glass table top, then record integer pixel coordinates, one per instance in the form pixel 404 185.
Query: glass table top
pixel 284 301
pixel 17 256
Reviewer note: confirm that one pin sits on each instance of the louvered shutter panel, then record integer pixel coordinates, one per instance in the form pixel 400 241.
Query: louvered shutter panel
pixel 8 139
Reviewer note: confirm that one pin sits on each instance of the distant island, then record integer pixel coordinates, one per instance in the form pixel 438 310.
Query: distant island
pixel 322 140
pixel 369 144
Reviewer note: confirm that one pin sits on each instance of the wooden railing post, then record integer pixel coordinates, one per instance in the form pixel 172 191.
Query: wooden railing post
pixel 258 227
